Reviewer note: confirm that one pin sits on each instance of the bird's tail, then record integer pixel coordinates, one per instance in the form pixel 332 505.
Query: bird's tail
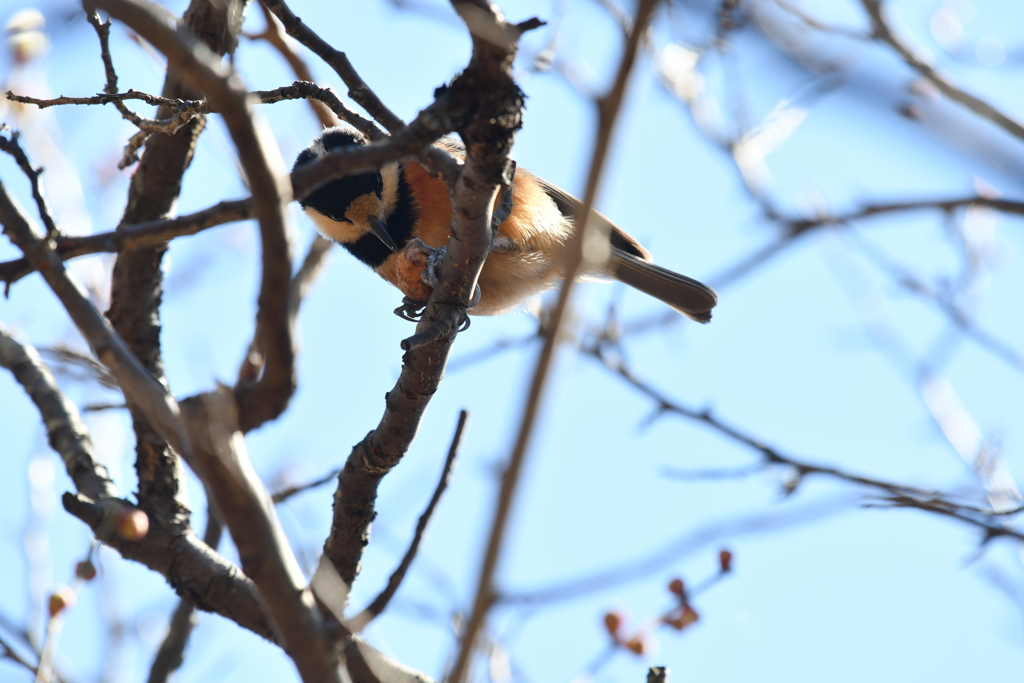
pixel 688 296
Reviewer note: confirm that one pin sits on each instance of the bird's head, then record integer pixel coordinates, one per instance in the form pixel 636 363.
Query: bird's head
pixel 356 207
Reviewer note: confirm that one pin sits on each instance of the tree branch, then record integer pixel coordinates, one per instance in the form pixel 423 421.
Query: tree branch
pixel 171 652
pixel 881 31
pixel 65 429
pixel 139 387
pixel 608 110
pixel 380 603
pixel 484 106
pixel 222 463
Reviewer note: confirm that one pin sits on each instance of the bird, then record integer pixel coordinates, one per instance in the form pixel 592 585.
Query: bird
pixel 377 216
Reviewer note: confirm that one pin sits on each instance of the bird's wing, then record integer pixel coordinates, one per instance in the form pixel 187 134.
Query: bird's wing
pixel 570 207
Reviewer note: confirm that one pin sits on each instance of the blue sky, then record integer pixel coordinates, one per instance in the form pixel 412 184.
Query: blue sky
pixel 816 353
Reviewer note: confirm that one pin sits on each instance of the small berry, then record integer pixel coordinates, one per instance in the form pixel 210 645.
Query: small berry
pixel 725 561
pixel 612 622
pixel 677 587
pixel 61 599
pixel 85 570
pixel 132 524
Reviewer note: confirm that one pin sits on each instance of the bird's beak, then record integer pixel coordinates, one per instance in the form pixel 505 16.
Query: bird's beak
pixel 380 229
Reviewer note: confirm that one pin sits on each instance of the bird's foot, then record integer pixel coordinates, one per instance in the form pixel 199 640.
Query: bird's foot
pixel 418 272
pixel 416 269
pixel 411 309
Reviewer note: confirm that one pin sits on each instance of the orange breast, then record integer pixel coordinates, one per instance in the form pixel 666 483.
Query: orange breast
pixel 509 277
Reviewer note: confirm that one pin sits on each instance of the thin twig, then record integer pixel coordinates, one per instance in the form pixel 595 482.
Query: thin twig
pixel 693 540
pixel 820 25
pixel 798 227
pixel 380 603
pixel 275 36
pixel 608 110
pixel 882 31
pixel 899 495
pixel 358 90
pixel 289 491
pixel 12 654
pixel 435 160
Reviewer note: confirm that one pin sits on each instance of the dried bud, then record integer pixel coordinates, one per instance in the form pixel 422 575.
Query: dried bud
pixel 612 622
pixel 677 587
pixel 85 570
pixel 637 645
pixel 683 619
pixel 725 561
pixel 132 524
pixel 61 599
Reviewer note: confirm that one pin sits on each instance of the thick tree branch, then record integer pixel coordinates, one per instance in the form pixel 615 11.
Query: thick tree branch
pixel 65 429
pixel 484 106
pixel 267 397
pixel 197 573
pixel 141 389
pixel 222 463
pixel 137 285
pixel 380 603
pixel 171 652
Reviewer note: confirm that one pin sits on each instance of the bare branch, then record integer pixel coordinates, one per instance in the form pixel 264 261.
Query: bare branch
pixel 222 463
pixel 608 110
pixel 484 105
pixel 8 652
pixel 65 429
pixel 881 31
pixel 289 491
pixel 357 88
pixel 266 398
pixel 693 540
pixel 137 284
pixel 380 603
pixel 898 495
pixel 171 652
pixel 798 227
pixel 435 160
pixel 820 25
pixel 138 385
pixel 191 567
pixel 275 36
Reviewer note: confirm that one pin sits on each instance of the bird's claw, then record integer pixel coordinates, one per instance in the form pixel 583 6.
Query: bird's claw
pixel 411 309
pixel 418 274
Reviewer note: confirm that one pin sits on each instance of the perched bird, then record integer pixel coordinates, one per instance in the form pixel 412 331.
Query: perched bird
pixel 376 215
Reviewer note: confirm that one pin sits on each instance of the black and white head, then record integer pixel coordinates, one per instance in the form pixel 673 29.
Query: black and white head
pixel 353 210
